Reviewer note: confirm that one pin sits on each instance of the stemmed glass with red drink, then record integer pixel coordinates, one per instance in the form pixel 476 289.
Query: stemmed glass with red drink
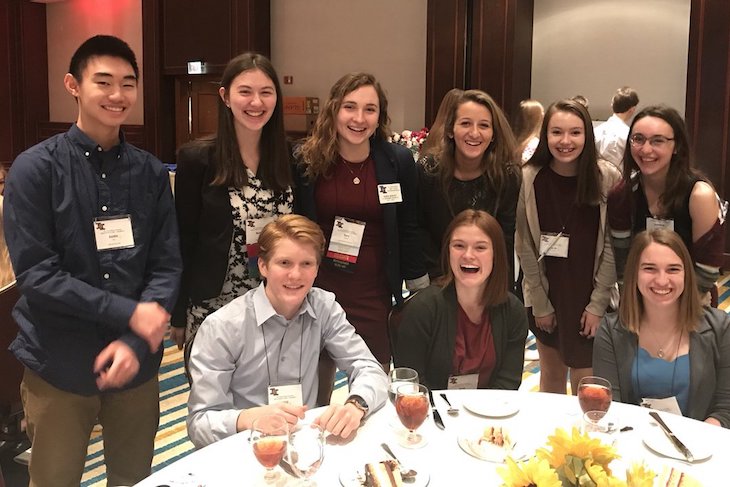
pixel 411 404
pixel 594 394
pixel 269 435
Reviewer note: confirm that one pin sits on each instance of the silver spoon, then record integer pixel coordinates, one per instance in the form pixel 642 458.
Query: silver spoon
pixel 407 475
pixel 452 411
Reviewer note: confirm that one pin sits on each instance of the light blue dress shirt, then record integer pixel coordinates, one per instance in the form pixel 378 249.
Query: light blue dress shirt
pixel 228 362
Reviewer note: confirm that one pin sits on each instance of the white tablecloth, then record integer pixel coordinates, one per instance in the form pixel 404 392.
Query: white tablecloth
pixel 231 461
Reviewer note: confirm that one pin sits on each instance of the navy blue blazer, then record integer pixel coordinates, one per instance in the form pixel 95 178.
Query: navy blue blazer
pixel 393 164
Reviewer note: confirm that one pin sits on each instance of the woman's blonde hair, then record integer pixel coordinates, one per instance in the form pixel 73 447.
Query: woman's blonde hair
pixel 319 151
pixel 529 121
pixel 631 309
pixel 295 227
pixel 435 140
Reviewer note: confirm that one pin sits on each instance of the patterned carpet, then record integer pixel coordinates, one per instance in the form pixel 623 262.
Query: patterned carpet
pixel 172 441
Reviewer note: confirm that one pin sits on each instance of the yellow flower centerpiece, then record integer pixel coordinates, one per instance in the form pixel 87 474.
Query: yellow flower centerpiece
pixel 572 460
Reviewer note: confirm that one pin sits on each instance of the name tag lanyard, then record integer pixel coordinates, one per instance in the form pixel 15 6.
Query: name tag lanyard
pixel 266 353
pixel 557 237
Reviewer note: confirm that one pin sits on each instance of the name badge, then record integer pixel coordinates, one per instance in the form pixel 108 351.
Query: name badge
pixel 554 245
pixel 466 381
pixel 288 394
pixel 389 193
pixel 345 242
pixel 254 226
pixel 114 232
pixel 667 404
pixel 659 224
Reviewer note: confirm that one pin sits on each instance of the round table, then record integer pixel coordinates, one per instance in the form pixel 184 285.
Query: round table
pixel 231 461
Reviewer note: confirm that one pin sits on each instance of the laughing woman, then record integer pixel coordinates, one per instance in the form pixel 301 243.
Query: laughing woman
pixel 469 332
pixel 227 188
pixel 362 191
pixel 562 244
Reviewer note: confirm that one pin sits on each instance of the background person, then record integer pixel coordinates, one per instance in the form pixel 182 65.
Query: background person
pixel 563 246
pixel 272 337
pixel 475 169
pixel 434 141
pixel 661 188
pixel 227 187
pixel 527 129
pixel 90 224
pixel 611 135
pixel 470 328
pixel 662 343
pixel 343 165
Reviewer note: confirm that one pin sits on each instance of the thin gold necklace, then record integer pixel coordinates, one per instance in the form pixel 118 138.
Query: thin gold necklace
pixel 660 350
pixel 355 177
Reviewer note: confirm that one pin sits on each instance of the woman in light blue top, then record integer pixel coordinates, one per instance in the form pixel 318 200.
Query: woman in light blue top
pixel 662 344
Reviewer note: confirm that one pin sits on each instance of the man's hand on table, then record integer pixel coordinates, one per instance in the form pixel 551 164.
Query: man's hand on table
pixel 292 414
pixel 340 420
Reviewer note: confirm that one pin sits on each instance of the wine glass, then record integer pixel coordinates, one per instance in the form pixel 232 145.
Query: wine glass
pixel 411 404
pixel 306 451
pixel 398 377
pixel 269 434
pixel 594 394
pixel 596 426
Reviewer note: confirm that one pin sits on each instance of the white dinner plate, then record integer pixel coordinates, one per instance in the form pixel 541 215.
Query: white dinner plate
pixel 487 451
pixel 491 408
pixel 355 477
pixel 655 439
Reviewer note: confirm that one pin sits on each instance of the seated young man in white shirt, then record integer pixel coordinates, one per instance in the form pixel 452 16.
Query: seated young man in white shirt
pixel 258 354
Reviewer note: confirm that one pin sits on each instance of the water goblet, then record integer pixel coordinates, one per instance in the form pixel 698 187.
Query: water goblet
pixel 306 451
pixel 411 404
pixel 398 377
pixel 269 435
pixel 594 394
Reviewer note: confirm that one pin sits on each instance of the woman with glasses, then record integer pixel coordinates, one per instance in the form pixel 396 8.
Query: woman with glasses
pixel 563 245
pixel 660 188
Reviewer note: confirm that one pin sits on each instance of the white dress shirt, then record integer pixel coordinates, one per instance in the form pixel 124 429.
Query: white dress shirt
pixel 231 366
pixel 611 140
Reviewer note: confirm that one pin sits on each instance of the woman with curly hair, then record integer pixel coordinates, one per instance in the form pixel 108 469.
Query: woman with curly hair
pixel 476 169
pixel 362 192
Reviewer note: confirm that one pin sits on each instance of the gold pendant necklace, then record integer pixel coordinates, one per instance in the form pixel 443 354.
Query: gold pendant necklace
pixel 355 177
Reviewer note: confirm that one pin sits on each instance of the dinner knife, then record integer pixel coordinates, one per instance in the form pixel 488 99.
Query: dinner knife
pixel 436 416
pixel 672 437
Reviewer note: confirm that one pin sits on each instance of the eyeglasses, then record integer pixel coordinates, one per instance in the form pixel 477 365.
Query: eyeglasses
pixel 656 141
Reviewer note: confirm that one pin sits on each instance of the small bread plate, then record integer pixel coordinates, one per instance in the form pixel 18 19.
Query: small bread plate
pixel 492 408
pixel 479 447
pixel 355 477
pixel 655 439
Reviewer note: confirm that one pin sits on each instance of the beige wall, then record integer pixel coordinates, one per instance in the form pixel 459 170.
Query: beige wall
pixel 593 47
pixel 69 24
pixel 590 47
pixel 317 41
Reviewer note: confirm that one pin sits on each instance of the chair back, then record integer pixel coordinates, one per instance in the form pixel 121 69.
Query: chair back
pixel 394 319
pixel 12 369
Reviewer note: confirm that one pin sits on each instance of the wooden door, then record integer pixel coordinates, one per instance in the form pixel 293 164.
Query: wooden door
pixel 196 108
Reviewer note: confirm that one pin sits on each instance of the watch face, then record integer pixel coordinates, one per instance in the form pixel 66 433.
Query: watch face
pixel 359 401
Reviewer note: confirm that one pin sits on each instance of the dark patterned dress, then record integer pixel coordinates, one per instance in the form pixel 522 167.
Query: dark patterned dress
pixel 249 202
pixel 571 278
pixel 363 290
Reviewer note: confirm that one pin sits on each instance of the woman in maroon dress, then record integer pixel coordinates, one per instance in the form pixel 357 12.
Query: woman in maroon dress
pixel 564 248
pixel 362 192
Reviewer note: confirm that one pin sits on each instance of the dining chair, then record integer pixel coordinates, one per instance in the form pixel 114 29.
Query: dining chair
pixel 12 370
pixel 394 319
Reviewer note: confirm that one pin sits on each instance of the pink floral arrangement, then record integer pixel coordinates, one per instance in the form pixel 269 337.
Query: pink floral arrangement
pixel 413 140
